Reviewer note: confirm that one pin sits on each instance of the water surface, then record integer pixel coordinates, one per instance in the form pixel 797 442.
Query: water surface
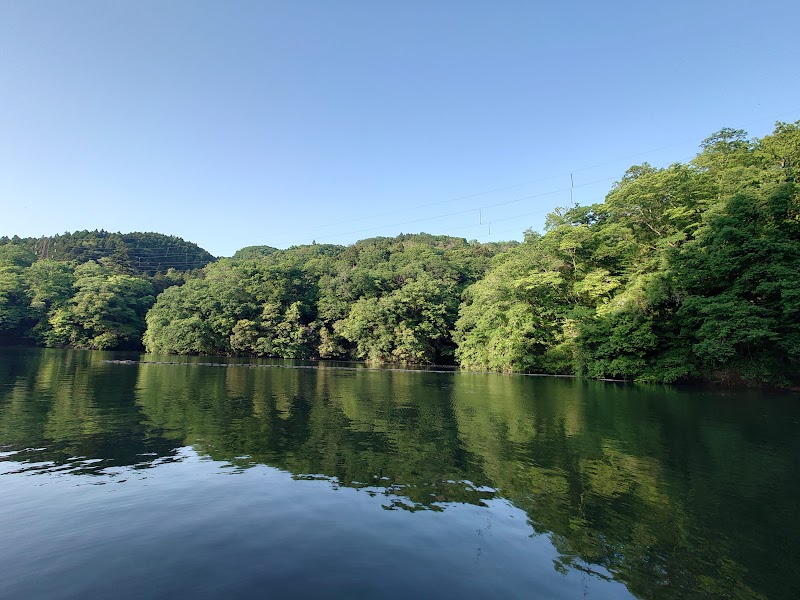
pixel 168 481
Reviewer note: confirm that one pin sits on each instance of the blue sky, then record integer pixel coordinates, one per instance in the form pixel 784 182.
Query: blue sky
pixel 240 123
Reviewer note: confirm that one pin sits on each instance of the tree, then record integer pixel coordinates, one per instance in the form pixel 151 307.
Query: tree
pixel 514 317
pixel 107 310
pixel 14 311
pixel 741 280
pixel 409 325
pixel 49 287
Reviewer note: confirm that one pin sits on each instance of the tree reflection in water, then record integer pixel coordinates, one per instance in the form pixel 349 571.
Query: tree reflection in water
pixel 672 492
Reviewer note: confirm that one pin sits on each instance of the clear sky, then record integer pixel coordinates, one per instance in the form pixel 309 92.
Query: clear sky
pixel 262 122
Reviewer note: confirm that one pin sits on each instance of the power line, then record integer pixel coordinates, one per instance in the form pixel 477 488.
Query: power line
pixel 470 210
pixel 481 223
pixel 402 210
pixel 143 260
pixel 540 180
pixel 480 209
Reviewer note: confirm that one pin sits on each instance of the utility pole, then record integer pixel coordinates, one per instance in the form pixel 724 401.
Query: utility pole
pixel 571 185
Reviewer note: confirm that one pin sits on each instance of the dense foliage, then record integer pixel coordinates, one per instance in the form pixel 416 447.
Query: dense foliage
pixel 382 299
pixel 87 289
pixel 692 271
pixel 134 253
pixel 682 273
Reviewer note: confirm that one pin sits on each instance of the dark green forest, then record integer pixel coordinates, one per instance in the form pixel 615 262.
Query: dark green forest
pixel 88 289
pixel 684 273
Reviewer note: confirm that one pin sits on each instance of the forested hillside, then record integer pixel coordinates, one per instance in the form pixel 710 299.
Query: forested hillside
pixel 136 253
pixel 88 289
pixel 382 299
pixel 690 272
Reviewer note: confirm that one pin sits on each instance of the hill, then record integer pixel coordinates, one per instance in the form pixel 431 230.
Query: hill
pixel 144 253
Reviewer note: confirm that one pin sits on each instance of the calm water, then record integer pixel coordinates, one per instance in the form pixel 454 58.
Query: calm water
pixel 173 481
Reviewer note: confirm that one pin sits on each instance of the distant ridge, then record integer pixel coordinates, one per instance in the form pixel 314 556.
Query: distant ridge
pixel 145 253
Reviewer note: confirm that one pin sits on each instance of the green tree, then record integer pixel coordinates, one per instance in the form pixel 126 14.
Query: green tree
pixel 107 310
pixel 14 309
pixel 50 287
pixel 741 280
pixel 409 325
pixel 514 317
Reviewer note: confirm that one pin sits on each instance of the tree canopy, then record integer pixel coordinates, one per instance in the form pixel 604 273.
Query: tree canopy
pixel 685 272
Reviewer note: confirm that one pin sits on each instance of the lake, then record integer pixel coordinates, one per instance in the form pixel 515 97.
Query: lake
pixel 272 480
